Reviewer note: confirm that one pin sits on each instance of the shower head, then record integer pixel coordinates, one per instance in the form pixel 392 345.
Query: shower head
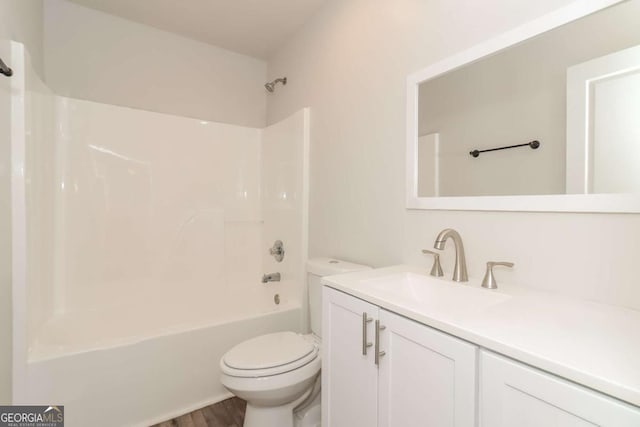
pixel 271 85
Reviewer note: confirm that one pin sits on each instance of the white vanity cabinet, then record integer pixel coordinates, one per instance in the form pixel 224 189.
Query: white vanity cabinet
pixel 515 366
pixel 423 377
pixel 426 377
pixel 349 377
pixel 514 394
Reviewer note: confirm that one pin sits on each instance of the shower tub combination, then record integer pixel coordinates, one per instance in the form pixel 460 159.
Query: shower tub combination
pixel 139 244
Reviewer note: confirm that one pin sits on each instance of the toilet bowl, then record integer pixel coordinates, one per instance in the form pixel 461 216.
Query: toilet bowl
pixel 274 373
pixel 278 374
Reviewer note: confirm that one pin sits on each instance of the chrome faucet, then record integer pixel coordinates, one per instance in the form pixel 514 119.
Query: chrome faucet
pixel 460 269
pixel 271 277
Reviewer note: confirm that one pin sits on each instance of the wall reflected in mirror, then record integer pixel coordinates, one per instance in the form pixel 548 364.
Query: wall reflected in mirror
pixel 589 135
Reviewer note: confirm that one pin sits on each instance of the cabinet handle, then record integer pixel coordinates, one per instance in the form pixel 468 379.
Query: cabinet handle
pixel 365 319
pixel 379 353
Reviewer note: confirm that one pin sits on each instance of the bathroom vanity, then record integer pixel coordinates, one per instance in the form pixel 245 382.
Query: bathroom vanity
pixel 402 348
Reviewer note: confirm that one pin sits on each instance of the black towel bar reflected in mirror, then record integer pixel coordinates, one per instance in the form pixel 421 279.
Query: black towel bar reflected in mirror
pixel 533 144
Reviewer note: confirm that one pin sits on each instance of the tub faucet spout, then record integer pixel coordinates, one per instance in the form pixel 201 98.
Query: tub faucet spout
pixel 460 269
pixel 271 277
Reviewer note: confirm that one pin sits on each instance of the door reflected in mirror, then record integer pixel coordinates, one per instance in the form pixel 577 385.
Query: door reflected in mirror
pixel 575 89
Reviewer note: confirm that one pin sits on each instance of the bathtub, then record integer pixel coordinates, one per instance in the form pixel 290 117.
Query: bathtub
pixel 138 243
pixel 122 368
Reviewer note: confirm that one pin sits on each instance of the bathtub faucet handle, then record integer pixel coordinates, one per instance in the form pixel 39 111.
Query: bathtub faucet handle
pixel 271 277
pixel 277 251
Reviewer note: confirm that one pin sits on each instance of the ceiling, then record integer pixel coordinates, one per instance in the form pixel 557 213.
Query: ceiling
pixel 252 27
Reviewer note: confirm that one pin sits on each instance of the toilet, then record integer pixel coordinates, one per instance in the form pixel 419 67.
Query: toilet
pixel 278 374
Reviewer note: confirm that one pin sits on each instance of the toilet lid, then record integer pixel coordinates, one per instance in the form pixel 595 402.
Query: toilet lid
pixel 269 351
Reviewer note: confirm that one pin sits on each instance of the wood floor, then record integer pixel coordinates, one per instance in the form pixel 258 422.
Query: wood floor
pixel 228 413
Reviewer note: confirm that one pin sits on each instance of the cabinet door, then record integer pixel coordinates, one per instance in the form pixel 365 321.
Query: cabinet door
pixel 513 394
pixel 349 378
pixel 427 378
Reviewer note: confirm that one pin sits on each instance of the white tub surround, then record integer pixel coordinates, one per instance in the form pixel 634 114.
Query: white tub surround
pixel 137 251
pixel 591 344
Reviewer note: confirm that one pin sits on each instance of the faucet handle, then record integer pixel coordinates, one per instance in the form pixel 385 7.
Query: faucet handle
pixel 277 250
pixel 436 269
pixel 489 280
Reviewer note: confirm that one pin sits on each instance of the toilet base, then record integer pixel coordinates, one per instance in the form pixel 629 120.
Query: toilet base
pixel 260 416
pixel 275 416
pixel 272 416
pixel 309 415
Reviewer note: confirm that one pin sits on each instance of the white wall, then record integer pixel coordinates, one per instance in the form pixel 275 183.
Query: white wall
pixel 20 20
pixel 99 57
pixel 349 64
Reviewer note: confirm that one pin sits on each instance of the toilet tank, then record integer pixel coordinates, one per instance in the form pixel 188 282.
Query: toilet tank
pixel 316 269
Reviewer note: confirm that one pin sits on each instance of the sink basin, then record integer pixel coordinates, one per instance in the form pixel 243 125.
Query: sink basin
pixel 425 292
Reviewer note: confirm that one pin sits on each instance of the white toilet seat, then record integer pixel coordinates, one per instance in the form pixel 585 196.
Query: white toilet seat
pixel 267 372
pixel 274 383
pixel 268 355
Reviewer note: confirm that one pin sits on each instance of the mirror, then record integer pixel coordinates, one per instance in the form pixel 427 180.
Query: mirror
pixel 548 111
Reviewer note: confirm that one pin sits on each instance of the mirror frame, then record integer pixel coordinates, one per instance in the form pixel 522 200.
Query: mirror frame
pixel 620 203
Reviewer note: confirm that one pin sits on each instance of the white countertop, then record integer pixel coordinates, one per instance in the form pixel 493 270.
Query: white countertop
pixel 592 344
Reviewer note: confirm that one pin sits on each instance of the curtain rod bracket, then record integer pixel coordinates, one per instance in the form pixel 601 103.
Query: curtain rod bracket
pixel 4 69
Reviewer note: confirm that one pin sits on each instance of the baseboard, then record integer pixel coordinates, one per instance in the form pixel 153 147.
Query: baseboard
pixel 185 410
